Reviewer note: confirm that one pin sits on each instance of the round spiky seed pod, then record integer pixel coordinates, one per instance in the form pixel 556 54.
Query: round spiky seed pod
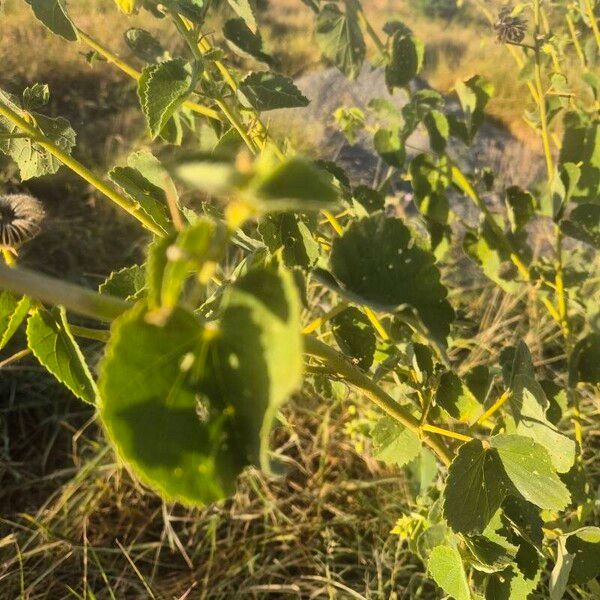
pixel 21 217
pixel 510 28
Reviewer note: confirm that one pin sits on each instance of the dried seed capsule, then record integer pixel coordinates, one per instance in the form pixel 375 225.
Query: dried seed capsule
pixel 510 29
pixel 21 216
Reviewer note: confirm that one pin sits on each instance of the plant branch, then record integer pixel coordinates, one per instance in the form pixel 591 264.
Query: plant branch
pixel 39 138
pixel 384 401
pixel 56 292
pixel 135 74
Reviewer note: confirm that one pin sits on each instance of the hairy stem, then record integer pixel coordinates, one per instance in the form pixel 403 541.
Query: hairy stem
pixel 589 9
pixel 56 292
pixel 135 74
pixel 189 37
pixel 39 138
pixel 384 401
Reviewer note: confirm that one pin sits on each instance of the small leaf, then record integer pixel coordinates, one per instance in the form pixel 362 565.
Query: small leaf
pixel 52 343
pixel 340 38
pixel 12 313
pixel 292 234
pixel 36 96
pixel 584 546
pixel 394 444
pixel 520 207
pixel 268 91
pixel 389 144
pixel 244 41
pixel 528 466
pixel 475 488
pixel 128 283
pixel 456 398
pixel 162 89
pixel 355 336
pixel 152 199
pixel 293 184
pixel 53 14
pixel 473 95
pixel 145 46
pixel 406 60
pixel 438 130
pixel 446 568
pixel 32 159
pixel 583 224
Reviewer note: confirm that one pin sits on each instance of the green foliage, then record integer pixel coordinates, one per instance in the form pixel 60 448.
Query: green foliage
pixel 13 311
pixel 393 273
pixel 245 284
pixel 340 38
pixel 33 159
pixel 162 89
pixel 53 14
pixel 268 91
pixel 50 339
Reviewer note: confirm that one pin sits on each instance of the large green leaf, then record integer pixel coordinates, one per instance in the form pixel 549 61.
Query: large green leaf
pixel 394 444
pixel 13 311
pixel 529 405
pixel 259 354
pixel 32 159
pixel 51 341
pixel 154 412
pixel 377 259
pixel 529 468
pixel 475 488
pixel 340 38
pixel 406 60
pixel 162 89
pixel 355 336
pixel 269 91
pixel 53 14
pixel 446 568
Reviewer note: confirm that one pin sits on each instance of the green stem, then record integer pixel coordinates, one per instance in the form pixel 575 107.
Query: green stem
pixel 17 356
pixel 135 74
pixel 384 401
pixel 188 36
pixel 465 185
pixel 56 292
pixel 100 335
pixel 39 138
pixel 593 23
pixel 541 94
pixel 372 34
